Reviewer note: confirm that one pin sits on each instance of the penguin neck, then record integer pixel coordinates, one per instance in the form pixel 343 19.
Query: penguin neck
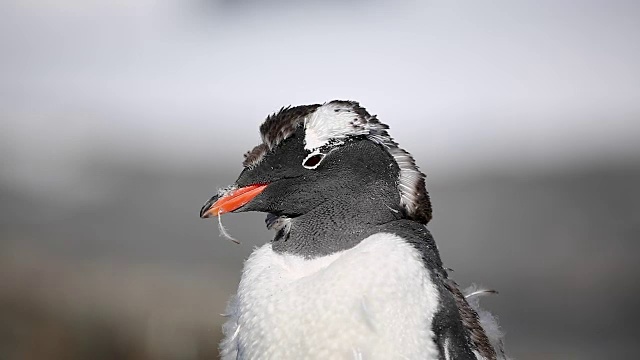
pixel 338 224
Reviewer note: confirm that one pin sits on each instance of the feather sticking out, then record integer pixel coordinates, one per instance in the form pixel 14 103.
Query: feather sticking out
pixel 488 322
pixel 392 209
pixel 480 292
pixel 235 333
pixel 231 330
pixel 223 231
pixel 480 342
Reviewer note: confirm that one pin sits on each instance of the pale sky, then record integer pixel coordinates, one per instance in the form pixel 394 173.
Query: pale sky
pixel 181 83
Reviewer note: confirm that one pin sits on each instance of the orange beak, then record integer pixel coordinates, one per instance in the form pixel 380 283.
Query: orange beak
pixel 231 201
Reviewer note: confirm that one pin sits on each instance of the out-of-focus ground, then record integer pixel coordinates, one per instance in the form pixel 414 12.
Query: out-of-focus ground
pixel 119 119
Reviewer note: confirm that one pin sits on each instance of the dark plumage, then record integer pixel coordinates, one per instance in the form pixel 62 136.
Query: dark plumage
pixel 331 179
pixel 282 124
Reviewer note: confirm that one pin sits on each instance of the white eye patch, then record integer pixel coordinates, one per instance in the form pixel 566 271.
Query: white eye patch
pixel 313 160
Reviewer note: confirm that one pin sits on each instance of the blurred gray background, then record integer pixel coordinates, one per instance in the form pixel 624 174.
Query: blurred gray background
pixel 120 118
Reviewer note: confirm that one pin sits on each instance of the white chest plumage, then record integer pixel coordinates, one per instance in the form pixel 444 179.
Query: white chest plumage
pixel 374 301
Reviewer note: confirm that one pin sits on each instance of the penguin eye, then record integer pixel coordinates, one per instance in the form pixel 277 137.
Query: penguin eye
pixel 313 160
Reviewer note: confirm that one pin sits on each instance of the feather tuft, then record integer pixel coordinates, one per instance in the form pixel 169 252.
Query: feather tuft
pixel 223 231
pixel 488 321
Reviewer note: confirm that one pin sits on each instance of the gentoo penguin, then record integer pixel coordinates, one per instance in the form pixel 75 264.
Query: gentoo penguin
pixel 353 272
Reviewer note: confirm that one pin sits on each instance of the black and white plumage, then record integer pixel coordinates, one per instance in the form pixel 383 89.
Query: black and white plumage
pixel 352 273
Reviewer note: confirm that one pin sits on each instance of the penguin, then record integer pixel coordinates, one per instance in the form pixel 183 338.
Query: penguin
pixel 352 271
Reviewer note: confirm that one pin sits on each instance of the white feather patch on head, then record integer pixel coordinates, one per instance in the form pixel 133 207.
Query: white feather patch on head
pixel 332 123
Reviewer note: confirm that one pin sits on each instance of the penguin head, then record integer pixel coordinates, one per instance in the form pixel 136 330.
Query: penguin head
pixel 313 154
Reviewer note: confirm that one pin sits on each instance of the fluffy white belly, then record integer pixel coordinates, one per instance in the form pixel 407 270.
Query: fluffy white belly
pixel 374 301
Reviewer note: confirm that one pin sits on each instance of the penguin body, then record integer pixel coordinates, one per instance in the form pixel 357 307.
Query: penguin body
pixel 353 272
pixel 335 306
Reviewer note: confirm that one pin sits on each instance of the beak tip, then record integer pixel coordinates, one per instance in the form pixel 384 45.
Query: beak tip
pixel 205 211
